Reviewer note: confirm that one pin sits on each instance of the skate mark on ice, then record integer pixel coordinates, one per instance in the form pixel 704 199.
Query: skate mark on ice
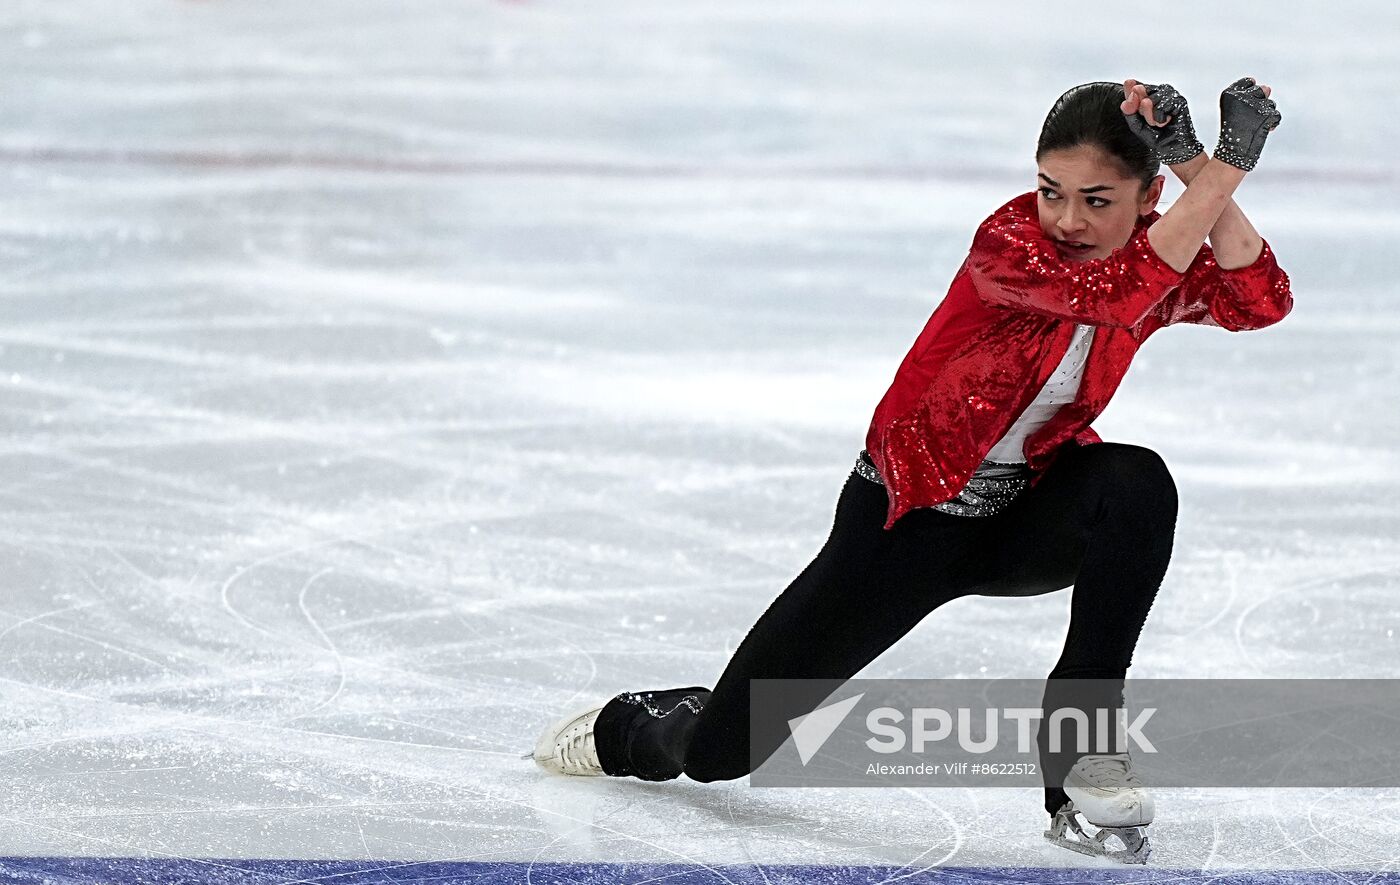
pixel 1241 643
pixel 955 828
pixel 743 831
pixel 1311 816
pixel 121 849
pixel 339 659
pixel 1214 846
pixel 34 618
pixel 627 837
pixel 331 540
pixel 239 727
pixel 160 665
pixel 1230 567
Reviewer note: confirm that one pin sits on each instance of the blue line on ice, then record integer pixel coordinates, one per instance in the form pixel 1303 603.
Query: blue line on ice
pixel 117 871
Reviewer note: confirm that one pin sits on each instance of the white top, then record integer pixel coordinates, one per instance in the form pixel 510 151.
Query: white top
pixel 1061 389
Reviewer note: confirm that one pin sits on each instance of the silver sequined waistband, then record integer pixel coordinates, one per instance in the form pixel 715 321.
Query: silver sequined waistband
pixel 993 486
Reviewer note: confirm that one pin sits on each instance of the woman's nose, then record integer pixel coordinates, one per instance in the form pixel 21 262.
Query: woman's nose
pixel 1070 222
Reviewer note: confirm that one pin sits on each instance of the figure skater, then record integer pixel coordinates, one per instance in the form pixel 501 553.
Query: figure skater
pixel 981 475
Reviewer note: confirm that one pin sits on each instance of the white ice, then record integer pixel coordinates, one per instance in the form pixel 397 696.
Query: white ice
pixel 380 380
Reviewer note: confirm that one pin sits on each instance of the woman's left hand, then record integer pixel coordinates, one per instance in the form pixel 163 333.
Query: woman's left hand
pixel 1159 116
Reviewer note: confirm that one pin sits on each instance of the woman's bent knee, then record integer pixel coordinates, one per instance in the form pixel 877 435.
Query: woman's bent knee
pixel 1135 477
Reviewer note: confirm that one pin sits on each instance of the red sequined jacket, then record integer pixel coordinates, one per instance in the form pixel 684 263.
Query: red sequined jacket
pixel 1005 324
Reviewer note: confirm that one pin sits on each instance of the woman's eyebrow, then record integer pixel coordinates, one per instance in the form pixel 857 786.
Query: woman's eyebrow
pixel 1083 190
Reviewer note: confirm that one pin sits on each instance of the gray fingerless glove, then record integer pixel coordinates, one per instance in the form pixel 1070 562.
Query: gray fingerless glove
pixel 1175 142
pixel 1246 119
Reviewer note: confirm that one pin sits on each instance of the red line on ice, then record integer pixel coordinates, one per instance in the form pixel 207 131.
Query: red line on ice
pixel 245 160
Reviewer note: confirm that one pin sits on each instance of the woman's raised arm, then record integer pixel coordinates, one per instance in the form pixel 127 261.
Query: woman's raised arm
pixel 1235 241
pixel 1160 117
pixel 1177 236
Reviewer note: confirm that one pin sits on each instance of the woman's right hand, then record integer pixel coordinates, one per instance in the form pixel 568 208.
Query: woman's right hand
pixel 1247 116
pixel 1159 116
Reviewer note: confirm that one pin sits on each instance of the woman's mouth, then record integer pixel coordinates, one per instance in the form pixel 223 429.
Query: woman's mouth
pixel 1074 247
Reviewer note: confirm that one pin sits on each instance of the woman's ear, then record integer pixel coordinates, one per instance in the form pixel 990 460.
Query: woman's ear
pixel 1152 195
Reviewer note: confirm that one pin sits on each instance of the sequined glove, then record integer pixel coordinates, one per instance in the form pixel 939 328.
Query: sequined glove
pixel 1247 116
pixel 1175 142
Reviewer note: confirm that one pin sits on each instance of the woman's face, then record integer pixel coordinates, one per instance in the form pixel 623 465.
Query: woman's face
pixel 1086 205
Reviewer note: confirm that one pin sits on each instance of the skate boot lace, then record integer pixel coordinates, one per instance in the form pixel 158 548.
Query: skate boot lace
pixel 1113 772
pixel 577 751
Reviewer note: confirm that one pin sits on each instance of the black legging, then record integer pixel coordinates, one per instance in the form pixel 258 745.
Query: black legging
pixel 1101 519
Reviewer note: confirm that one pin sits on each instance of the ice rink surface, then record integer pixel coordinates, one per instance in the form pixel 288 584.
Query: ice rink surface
pixel 380 380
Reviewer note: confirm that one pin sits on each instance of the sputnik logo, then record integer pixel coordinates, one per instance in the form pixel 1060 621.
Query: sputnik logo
pixel 811 731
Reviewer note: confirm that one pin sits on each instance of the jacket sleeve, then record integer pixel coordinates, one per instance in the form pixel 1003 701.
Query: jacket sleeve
pixel 1013 264
pixel 1238 299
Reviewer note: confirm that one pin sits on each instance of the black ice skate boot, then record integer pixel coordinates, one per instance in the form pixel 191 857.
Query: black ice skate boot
pixel 636 734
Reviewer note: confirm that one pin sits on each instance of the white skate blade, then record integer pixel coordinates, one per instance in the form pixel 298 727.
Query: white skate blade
pixel 1066 832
